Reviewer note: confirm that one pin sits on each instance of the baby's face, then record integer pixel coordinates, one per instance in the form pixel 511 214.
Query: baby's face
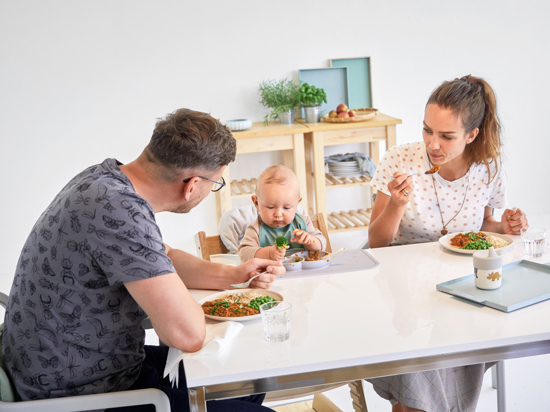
pixel 277 204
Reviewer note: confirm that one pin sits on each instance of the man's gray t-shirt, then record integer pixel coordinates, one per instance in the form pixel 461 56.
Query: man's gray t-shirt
pixel 71 326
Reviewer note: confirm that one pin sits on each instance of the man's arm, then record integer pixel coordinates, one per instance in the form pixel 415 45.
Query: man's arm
pixel 178 320
pixel 197 273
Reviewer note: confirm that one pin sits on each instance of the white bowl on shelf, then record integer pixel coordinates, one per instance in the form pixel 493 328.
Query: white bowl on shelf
pixel 237 125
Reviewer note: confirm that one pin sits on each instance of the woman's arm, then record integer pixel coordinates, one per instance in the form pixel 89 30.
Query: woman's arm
pixel 387 211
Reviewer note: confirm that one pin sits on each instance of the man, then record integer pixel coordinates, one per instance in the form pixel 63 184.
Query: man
pixel 94 266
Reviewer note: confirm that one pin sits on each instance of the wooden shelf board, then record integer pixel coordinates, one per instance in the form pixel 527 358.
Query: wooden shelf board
pixel 344 221
pixel 332 182
pixel 243 188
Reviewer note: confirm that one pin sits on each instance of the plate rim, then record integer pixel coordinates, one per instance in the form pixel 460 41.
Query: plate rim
pixel 214 296
pixel 445 242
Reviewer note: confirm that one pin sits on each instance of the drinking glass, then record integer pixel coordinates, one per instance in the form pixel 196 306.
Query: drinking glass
pixel 276 320
pixel 533 241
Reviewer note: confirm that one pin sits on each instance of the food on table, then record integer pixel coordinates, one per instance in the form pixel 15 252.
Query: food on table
pixel 236 305
pixel 343 115
pixel 312 256
pixel 477 241
pixel 281 242
pixel 433 170
pixel 332 114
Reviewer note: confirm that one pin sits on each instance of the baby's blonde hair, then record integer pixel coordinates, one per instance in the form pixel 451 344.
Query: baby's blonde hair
pixel 278 175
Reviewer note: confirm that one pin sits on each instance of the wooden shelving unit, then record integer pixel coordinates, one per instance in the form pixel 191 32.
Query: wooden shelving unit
pixel 302 146
pixel 381 128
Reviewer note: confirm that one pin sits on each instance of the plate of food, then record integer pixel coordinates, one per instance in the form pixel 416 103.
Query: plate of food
pixel 240 305
pixel 312 260
pixel 471 242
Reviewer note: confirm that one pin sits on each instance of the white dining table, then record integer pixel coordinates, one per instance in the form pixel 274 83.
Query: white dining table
pixel 369 323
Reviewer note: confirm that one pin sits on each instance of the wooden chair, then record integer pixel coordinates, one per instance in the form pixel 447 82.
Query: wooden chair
pixel 213 245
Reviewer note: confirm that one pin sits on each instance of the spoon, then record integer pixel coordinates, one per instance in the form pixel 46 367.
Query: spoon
pixel 246 284
pixel 331 254
pixel 433 170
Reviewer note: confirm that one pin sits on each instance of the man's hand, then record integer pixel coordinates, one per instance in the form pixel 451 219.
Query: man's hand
pixel 254 266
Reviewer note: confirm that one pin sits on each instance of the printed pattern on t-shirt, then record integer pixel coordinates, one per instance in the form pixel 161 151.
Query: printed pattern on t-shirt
pixel 71 326
pixel 426 211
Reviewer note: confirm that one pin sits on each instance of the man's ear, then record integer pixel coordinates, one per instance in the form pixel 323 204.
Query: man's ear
pixel 189 188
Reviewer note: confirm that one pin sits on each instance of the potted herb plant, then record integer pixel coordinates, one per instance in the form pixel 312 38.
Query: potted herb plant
pixel 281 97
pixel 311 98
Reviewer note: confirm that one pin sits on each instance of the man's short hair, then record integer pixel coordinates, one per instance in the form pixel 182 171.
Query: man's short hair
pixel 188 139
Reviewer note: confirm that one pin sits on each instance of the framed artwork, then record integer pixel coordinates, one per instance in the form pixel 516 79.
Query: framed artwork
pixel 359 81
pixel 334 80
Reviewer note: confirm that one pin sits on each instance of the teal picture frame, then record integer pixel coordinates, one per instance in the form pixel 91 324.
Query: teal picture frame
pixel 333 80
pixel 359 81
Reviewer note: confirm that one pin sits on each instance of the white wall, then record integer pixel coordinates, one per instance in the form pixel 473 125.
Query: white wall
pixel 84 80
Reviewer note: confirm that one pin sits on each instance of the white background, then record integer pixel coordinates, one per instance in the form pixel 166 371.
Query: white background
pixel 84 80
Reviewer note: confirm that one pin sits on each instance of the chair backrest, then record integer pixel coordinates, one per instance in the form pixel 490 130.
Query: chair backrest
pixel 213 245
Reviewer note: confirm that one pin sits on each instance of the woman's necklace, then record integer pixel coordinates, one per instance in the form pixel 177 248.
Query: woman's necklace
pixel 445 231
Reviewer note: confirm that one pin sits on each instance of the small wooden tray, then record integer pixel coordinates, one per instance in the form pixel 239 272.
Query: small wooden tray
pixel 360 116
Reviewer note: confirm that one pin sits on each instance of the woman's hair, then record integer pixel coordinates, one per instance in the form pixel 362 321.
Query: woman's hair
pixel 474 101
pixel 188 139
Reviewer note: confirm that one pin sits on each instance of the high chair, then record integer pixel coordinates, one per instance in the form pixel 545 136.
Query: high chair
pixel 213 245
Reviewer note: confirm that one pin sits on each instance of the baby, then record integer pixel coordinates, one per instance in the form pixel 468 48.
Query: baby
pixel 277 197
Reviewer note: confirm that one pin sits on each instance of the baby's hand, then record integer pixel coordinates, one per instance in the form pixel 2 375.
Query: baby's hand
pixel 301 236
pixel 277 253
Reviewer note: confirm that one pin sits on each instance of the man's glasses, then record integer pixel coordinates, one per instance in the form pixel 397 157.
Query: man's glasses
pixel 217 184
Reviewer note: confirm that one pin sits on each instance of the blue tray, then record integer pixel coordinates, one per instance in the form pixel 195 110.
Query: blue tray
pixel 524 283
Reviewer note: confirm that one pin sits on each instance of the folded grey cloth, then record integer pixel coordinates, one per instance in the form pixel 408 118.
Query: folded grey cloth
pixel 366 165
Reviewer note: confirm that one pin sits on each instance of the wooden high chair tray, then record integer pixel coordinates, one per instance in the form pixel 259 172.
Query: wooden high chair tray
pixel 524 283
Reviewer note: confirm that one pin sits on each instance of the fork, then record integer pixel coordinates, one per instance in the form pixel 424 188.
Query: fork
pixel 246 284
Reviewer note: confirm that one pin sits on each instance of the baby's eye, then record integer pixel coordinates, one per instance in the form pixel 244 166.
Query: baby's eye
pixel 287 208
pixel 427 130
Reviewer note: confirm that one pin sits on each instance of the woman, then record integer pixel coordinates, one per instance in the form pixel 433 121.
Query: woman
pixel 462 137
